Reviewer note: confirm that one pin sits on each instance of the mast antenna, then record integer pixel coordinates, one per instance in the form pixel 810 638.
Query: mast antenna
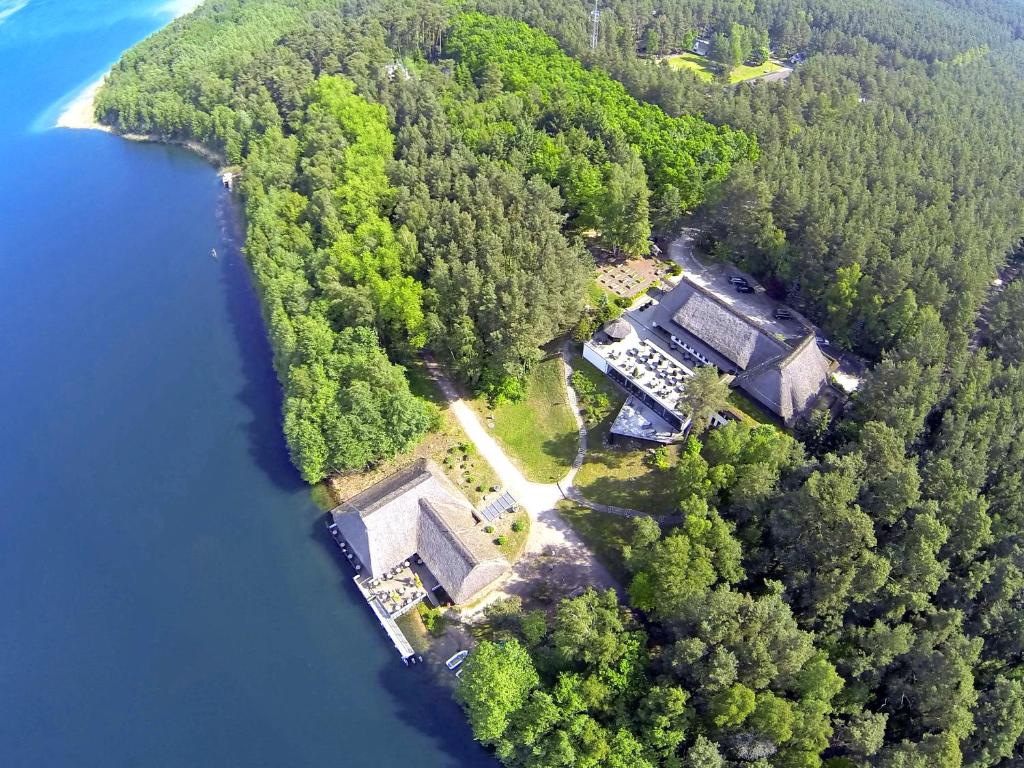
pixel 595 23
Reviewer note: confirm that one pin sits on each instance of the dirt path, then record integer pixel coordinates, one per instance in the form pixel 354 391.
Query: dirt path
pixel 555 551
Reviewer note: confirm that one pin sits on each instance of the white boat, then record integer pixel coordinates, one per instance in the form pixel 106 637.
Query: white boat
pixel 456 660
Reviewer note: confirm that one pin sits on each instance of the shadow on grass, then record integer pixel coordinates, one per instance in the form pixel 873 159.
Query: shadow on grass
pixel 628 493
pixel 604 534
pixel 562 450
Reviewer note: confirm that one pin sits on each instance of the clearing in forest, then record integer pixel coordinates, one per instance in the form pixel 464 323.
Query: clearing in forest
pixel 538 431
pixel 706 69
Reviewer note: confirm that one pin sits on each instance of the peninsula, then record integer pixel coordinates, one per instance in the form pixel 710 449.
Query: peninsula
pixel 749 352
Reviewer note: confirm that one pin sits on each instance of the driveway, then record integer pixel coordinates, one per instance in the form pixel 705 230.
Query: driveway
pixel 757 306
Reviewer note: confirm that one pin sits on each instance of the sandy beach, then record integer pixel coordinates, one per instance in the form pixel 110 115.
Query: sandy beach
pixel 79 114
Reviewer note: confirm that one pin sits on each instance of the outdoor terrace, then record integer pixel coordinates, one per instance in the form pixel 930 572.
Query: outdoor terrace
pixel 399 590
pixel 653 376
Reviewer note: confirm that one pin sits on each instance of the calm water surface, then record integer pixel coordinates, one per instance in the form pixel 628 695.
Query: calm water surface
pixel 166 597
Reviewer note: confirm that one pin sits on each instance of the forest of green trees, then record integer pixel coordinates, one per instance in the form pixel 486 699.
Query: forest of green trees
pixel 391 211
pixel 421 176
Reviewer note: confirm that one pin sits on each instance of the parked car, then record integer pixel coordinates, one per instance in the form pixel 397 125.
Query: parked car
pixel 783 314
pixel 737 280
pixel 744 288
pixel 822 341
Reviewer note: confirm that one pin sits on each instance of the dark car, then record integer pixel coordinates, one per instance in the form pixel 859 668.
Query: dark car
pixel 744 288
pixel 783 314
pixel 739 280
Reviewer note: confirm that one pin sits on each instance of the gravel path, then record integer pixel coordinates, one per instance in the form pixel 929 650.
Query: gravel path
pixel 552 544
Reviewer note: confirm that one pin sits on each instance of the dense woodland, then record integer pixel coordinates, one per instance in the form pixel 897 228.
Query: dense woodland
pixel 419 176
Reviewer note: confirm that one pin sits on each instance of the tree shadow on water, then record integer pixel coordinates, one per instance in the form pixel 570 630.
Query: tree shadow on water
pixel 261 393
pixel 420 700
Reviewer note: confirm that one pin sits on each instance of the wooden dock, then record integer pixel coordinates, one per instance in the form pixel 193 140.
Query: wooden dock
pixel 398 638
pixel 402 645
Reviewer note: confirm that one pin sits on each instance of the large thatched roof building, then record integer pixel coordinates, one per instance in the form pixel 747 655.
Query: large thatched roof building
pixel 417 511
pixel 779 365
pixel 785 378
pixel 729 334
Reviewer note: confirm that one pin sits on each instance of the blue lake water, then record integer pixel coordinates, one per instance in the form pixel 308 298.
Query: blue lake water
pixel 166 595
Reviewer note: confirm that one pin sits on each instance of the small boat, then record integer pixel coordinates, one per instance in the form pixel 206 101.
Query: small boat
pixel 456 660
pixel 213 252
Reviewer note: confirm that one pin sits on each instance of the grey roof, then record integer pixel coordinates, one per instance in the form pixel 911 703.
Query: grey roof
pixel 789 384
pixel 619 328
pixel 719 327
pixel 383 493
pixel 453 548
pixel 419 511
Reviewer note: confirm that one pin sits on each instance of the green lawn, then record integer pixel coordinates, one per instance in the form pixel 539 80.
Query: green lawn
pixel 539 431
pixel 743 72
pixel 605 535
pixel 699 65
pixel 752 411
pixel 619 475
pixel 706 70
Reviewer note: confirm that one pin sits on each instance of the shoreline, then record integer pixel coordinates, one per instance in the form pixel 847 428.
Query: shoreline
pixel 80 112
pixel 80 115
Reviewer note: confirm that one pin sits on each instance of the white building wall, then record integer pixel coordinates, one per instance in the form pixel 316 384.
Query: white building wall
pixel 592 357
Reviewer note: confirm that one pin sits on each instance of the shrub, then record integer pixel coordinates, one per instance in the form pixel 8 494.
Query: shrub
pixel 517 526
pixel 585 328
pixel 488 529
pixel 433 619
pixel 507 389
pixel 500 541
pixel 582 384
pixel 658 458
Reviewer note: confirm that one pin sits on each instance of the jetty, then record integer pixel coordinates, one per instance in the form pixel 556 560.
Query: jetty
pixel 386 619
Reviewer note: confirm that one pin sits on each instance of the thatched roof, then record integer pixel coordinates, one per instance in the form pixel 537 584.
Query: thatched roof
pixel 723 330
pixel 459 555
pixel 790 384
pixel 419 511
pixel 619 328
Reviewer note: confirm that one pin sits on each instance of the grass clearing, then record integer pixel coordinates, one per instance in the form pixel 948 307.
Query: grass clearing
pixel 538 432
pixel 620 474
pixel 743 72
pixel 707 70
pixel 604 534
pixel 751 412
pixel 699 65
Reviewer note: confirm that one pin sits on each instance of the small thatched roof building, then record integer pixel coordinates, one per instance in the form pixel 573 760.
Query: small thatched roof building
pixel 419 511
pixel 619 328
